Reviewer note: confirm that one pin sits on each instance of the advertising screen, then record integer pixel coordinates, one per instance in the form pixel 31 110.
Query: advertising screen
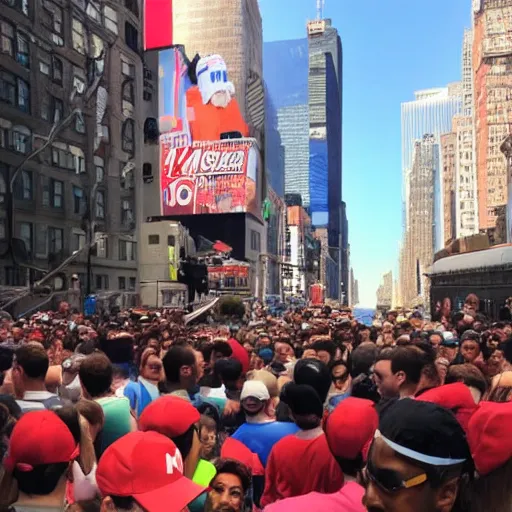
pixel 157 24
pixel 209 177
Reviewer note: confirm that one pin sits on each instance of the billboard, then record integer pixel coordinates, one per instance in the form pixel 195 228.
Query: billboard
pixel 319 182
pixel 210 178
pixel 157 24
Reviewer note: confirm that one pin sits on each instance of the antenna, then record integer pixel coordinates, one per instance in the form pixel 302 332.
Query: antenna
pixel 320 4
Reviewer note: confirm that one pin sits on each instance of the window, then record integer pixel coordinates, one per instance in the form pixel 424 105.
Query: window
pixel 171 241
pixel 78 201
pixel 62 158
pixel 255 240
pixel 77 241
pixel 26 234
pixel 21 139
pixel 79 80
pixel 121 283
pixel 133 283
pixel 102 247
pixel 126 212
pixel 147 96
pixel 100 204
pixel 57 70
pixel 128 69
pixel 79 123
pixel 4 173
pixel 128 136
pixel 7 38
pixel 133 6
pixel 3 229
pixel 44 63
pixel 93 10
pixel 110 17
pixel 26 189
pixel 22 50
pixel 79 36
pixel 57 194
pixel 147 173
pixel 8 87
pixel 19 5
pixel 52 18
pixel 58 110
pixel 128 98
pixel 41 241
pixel 126 250
pixel 23 95
pixel 153 239
pixel 56 239
pixel 101 282
pixel 99 165
pixel 131 37
pixel 45 186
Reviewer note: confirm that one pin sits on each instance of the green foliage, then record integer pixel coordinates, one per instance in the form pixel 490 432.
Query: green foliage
pixel 231 306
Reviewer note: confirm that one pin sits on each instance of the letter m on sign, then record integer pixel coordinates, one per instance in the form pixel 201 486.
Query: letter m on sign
pixel 157 24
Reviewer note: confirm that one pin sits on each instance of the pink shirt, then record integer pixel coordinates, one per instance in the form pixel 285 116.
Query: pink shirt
pixel 348 499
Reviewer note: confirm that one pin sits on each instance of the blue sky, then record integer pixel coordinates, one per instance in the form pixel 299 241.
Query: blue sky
pixel 391 48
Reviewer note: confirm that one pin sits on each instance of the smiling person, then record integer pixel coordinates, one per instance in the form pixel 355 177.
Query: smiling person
pixel 417 460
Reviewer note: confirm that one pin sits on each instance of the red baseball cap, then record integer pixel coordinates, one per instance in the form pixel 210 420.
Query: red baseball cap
pixel 171 416
pixel 39 438
pixel 234 449
pixel 239 353
pixel 350 428
pixel 489 436
pixel 456 397
pixel 148 467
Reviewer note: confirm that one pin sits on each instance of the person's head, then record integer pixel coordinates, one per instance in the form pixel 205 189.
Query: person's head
pixel 305 405
pixel 228 487
pixel 230 373
pixel 255 399
pixel 41 449
pixel 470 346
pixel 176 419
pixel 221 350
pixel 284 352
pixel 315 373
pixel 417 459
pixel 150 365
pixel 96 375
pixel 207 436
pixel 325 350
pixel 180 367
pixel 363 358
pixel 349 430
pixel 200 364
pixel 340 376
pixel 29 368
pixel 496 361
pixel 449 347
pixel 143 472
pixel 491 447
pixel 93 414
pixel 501 388
pixel 263 340
pixel 471 376
pixel 435 339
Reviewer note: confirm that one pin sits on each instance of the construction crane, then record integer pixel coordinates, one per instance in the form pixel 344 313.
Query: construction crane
pixel 320 4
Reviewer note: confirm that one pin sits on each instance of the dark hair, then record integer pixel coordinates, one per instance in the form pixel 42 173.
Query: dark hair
pixel 468 374
pixel 118 350
pixel 229 370
pixel 326 346
pixel 490 492
pixel 42 480
pixel 223 347
pixel 410 360
pixel 184 441
pixel 176 357
pixel 6 356
pixel 96 374
pixel 33 358
pixel 123 502
pixel 234 467
pixel 363 358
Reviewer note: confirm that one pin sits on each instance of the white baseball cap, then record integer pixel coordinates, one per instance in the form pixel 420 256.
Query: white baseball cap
pixel 255 389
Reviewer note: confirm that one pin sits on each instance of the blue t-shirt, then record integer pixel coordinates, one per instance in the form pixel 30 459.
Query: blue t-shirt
pixel 261 437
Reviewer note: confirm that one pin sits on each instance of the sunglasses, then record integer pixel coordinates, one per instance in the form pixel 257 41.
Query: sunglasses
pixel 391 481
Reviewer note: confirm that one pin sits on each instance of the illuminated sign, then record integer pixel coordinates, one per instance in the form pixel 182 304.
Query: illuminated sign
pixel 157 24
pixel 316 27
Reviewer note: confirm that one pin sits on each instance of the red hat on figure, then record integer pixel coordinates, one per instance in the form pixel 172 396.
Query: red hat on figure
pixel 239 353
pixel 456 397
pixel 489 436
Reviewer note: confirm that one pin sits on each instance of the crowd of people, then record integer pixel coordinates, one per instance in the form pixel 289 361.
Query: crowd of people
pixel 309 411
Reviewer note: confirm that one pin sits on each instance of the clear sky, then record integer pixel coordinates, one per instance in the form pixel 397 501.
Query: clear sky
pixel 391 48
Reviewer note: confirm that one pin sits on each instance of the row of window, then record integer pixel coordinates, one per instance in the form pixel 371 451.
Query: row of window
pixel 102 282
pixel 14 91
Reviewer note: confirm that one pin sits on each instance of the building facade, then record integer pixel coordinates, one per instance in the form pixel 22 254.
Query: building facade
pixel 448 167
pixel 492 61
pixel 419 244
pixel 71 161
pixel 385 292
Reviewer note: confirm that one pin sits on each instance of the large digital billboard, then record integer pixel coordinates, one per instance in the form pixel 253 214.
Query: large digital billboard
pixel 157 24
pixel 209 178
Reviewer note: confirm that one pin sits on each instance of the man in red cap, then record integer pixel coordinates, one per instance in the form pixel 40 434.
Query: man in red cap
pixel 144 470
pixel 349 430
pixel 40 452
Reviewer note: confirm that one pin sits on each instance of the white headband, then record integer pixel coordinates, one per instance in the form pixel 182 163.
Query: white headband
pixel 420 457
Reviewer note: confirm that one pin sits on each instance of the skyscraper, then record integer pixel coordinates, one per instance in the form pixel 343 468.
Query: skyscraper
pixel 492 53
pixel 430 113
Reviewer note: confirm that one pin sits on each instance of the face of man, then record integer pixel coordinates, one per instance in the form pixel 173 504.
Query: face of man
pixel 324 356
pixel 385 380
pixel 340 377
pixel 226 494
pixel 470 350
pixel 435 341
pixel 199 364
pixel 384 468
pixel 284 352
pixel 252 406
